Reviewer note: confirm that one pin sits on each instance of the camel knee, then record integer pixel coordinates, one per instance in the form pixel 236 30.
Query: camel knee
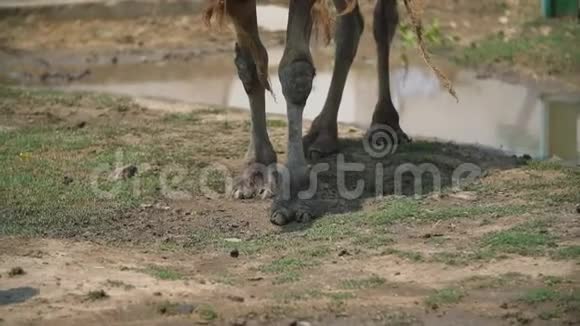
pixel 296 79
pixel 247 69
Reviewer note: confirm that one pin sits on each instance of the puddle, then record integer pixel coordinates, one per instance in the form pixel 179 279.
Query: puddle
pixel 491 113
pixel 17 295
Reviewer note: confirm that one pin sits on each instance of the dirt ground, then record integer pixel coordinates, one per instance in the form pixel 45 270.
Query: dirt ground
pixel 503 250
pixel 79 245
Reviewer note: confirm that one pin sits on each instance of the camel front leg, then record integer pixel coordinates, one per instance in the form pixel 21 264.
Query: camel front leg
pixel 252 64
pixel 296 73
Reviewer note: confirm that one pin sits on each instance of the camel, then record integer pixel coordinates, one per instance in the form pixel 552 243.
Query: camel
pixel 296 73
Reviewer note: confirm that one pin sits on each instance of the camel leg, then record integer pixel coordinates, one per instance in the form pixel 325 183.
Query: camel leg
pixel 296 72
pixel 322 138
pixel 251 60
pixel 385 23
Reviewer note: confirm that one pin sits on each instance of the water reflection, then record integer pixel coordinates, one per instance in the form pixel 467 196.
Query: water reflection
pixel 491 112
pixel 272 18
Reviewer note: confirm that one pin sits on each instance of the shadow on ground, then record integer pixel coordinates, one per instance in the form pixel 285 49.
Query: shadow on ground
pixel 358 173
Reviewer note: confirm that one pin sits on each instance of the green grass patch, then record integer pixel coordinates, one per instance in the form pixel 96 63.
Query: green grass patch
pixel 413 210
pixel 206 312
pixel 553 52
pixel 527 240
pixel 445 296
pixel 372 241
pixel 551 280
pixel 189 117
pixel 163 273
pixel 568 253
pixel 288 269
pixel 339 296
pixel 540 295
pixel 495 282
pixel 409 255
pixel 363 283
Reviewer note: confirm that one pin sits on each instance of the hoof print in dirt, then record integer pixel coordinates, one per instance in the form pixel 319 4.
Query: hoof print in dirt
pixel 16 271
pixel 124 172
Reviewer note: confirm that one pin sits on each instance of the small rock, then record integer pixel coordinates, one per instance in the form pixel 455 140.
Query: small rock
pixel 236 298
pixel 397 273
pixel 157 294
pixel 235 253
pixel 67 180
pixel 114 60
pixel 578 208
pixel 504 305
pixel 300 323
pixel 162 207
pixel 503 20
pixel 235 240
pixel 16 271
pixel 81 125
pixel 124 172
pixel 255 279
pixel 343 252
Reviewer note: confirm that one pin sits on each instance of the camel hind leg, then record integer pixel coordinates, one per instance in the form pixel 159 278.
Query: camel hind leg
pixel 322 138
pixel 386 19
